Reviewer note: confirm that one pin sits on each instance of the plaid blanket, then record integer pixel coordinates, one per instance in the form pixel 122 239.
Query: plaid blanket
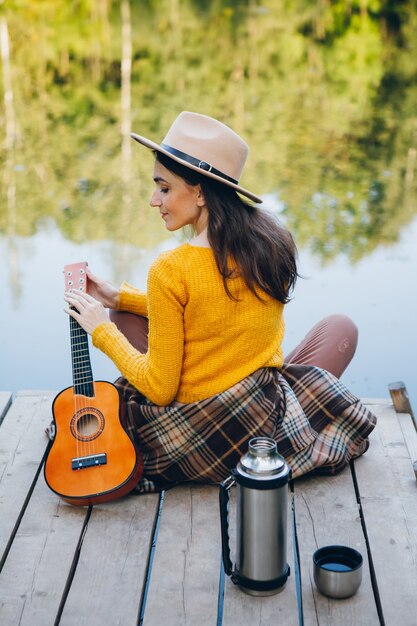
pixel 317 423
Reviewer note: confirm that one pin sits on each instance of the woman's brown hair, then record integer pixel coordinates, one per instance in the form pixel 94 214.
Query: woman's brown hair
pixel 263 250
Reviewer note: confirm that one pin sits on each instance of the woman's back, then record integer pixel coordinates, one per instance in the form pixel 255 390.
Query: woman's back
pixel 224 339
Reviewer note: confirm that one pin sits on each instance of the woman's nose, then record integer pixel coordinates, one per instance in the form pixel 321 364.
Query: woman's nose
pixel 154 201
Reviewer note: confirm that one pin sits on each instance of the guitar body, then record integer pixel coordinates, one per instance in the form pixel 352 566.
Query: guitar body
pixel 92 459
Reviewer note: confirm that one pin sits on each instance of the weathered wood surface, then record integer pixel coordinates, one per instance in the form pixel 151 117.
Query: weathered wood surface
pixel 22 446
pixel 112 564
pixel 186 565
pixel 389 499
pixel 400 398
pixel 327 514
pixel 152 560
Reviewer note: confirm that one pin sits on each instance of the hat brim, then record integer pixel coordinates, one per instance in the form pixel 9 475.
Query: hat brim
pixel 154 146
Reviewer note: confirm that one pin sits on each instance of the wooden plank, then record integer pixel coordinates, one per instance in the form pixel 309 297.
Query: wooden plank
pixel 185 575
pixel 5 402
pixel 388 494
pixel 410 437
pixel 34 575
pixel 35 393
pixel 400 398
pixel 327 513
pixel 241 608
pixel 379 402
pixel 22 445
pixel 112 566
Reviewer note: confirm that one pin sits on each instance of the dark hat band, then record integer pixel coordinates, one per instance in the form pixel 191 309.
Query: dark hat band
pixel 202 165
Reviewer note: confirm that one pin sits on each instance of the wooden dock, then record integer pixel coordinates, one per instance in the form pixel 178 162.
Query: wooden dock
pixel 155 559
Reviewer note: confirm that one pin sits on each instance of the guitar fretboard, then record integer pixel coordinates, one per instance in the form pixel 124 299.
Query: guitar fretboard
pixel 82 374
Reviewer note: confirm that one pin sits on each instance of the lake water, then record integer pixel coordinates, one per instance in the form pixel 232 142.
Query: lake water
pixel 325 98
pixel 378 293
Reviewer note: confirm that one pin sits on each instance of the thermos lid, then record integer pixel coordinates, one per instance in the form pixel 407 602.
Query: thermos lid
pixel 262 460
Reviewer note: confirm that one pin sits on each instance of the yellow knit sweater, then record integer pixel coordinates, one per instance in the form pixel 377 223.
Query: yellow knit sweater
pixel 200 341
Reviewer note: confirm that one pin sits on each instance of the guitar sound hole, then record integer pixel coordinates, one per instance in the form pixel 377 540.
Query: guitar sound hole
pixel 87 424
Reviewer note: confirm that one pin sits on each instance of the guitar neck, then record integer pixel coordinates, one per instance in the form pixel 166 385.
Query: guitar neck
pixel 81 365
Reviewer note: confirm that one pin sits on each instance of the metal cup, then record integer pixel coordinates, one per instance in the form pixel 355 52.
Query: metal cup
pixel 337 571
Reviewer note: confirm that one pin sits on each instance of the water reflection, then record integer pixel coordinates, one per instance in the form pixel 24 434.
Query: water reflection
pixel 324 94
pixel 375 293
pixel 325 98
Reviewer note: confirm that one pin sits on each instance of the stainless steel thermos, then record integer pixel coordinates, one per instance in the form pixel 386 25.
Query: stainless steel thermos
pixel 262 478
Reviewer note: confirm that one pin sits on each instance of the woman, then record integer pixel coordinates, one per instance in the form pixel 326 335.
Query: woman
pixel 200 352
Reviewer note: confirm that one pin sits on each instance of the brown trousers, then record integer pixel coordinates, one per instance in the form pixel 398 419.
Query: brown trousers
pixel 330 344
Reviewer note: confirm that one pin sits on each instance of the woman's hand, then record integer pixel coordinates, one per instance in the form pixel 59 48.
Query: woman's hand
pixel 102 290
pixel 87 311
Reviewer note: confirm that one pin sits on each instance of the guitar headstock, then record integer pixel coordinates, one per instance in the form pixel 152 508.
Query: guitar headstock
pixel 76 276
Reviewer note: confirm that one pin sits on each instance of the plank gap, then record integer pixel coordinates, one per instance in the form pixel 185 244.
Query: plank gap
pixel 374 580
pixel 154 538
pixel 296 550
pixel 6 399
pixel 73 567
pixel 220 598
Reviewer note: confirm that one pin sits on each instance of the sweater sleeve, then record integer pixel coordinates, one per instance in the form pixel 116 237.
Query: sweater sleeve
pixel 155 374
pixel 133 300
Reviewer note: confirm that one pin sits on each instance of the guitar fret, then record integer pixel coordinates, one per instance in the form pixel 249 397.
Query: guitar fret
pixel 81 367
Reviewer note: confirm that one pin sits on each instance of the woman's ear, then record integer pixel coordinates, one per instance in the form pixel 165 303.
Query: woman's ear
pixel 201 201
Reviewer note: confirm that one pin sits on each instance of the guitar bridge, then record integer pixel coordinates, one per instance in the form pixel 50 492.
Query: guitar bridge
pixel 81 462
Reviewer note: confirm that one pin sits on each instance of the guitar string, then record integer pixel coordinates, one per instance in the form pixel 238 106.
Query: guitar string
pixel 83 375
pixel 82 380
pixel 77 398
pixel 84 343
pixel 81 371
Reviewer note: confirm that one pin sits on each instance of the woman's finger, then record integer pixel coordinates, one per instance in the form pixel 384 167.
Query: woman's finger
pixel 88 314
pixel 71 297
pixel 95 281
pixel 92 276
pixel 73 313
pixel 80 296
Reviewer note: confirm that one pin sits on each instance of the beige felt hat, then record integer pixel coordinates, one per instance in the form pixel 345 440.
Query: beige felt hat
pixel 207 146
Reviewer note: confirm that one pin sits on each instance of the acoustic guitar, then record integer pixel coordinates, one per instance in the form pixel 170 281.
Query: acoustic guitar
pixel 91 459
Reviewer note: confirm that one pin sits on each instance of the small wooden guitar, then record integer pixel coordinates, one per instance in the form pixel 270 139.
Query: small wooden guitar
pixel 91 459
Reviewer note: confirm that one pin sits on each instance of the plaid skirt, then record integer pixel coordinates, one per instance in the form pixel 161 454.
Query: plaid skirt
pixel 317 423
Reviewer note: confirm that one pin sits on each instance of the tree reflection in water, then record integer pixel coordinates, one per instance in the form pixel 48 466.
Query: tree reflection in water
pixel 323 92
